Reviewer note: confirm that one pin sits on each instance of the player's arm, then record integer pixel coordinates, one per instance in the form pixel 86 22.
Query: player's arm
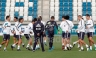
pixel 80 26
pixel 4 25
pixel 34 29
pixel 71 25
pixel 46 25
pixel 42 28
pixel 91 24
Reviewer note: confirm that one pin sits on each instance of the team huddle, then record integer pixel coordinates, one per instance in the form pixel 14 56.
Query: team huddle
pixel 39 28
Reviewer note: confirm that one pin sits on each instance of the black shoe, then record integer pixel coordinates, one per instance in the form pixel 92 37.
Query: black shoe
pixel 73 45
pixel 81 50
pixel 23 45
pixel 33 50
pixel 68 48
pixel 43 51
pixel 18 50
pixel 29 49
pixel 12 47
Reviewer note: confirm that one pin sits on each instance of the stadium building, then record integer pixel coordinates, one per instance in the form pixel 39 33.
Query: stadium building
pixel 29 9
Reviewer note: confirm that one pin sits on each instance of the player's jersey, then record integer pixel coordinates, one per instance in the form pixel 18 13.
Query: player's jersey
pixel 70 25
pixel 6 27
pixel 64 26
pixel 18 28
pixel 90 25
pixel 13 29
pixel 50 26
pixel 28 29
pixel 81 26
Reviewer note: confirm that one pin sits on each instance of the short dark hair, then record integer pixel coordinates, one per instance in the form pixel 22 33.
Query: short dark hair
pixel 64 17
pixel 40 17
pixel 35 19
pixel 20 19
pixel 52 17
pixel 7 16
pixel 16 17
pixel 67 17
pixel 88 15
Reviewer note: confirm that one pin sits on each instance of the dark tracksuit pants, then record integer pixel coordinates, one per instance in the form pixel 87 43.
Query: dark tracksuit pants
pixel 51 37
pixel 36 40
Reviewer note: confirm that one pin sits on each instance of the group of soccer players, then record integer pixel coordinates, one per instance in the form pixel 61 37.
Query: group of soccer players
pixel 38 28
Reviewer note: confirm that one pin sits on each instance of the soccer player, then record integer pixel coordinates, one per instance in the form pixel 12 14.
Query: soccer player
pixel 18 32
pixel 50 25
pixel 90 30
pixel 38 29
pixel 6 32
pixel 81 29
pixel 44 36
pixel 64 27
pixel 70 26
pixel 27 32
pixel 13 31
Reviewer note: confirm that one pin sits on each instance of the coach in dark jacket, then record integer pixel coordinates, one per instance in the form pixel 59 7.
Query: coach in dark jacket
pixel 38 29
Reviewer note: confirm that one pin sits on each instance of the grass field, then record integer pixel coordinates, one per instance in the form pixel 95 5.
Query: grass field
pixel 56 53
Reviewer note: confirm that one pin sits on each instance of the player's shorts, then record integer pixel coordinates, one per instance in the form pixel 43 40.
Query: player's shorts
pixel 27 36
pixel 6 37
pixel 18 37
pixel 90 34
pixel 81 35
pixel 14 35
pixel 65 35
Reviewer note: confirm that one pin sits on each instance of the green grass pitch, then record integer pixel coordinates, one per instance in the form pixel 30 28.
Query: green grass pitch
pixel 56 53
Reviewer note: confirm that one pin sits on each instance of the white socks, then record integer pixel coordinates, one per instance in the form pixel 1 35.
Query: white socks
pixel 82 48
pixel 68 45
pixel 90 47
pixel 27 46
pixel 18 47
pixel 0 46
pixel 78 45
pixel 44 41
pixel 86 46
pixel 4 48
pixel 75 42
pixel 31 47
pixel 94 45
pixel 14 45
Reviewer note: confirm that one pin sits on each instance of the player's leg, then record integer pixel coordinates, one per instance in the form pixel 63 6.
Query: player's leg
pixel 91 41
pixel 15 42
pixel 7 41
pixel 14 38
pixel 19 42
pixel 49 36
pixel 35 42
pixel 37 45
pixel 74 43
pixel 45 39
pixel 31 46
pixel 62 43
pixel 65 41
pixel 82 41
pixel 4 40
pixel 69 46
pixel 41 41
